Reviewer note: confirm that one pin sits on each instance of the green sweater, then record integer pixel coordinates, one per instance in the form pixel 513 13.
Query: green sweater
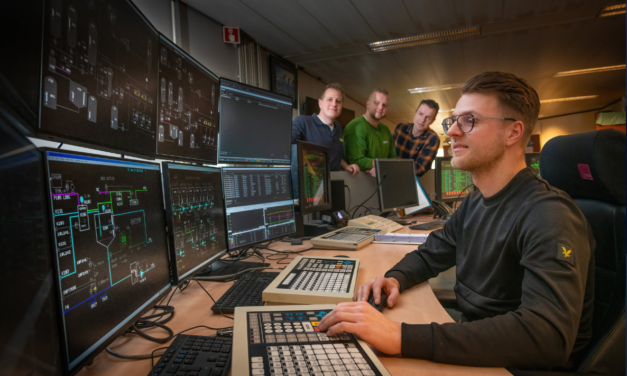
pixel 363 143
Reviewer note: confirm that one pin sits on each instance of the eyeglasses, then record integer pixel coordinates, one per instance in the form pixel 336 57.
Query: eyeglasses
pixel 465 122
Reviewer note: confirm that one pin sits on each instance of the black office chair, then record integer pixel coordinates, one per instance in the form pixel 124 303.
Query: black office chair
pixel 590 167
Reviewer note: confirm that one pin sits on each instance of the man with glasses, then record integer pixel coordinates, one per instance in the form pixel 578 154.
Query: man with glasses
pixel 416 140
pixel 523 252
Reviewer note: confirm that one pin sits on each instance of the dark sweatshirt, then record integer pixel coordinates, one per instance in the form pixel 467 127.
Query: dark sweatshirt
pixel 525 281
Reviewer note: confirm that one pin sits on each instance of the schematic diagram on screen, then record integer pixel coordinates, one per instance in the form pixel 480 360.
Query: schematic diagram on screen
pixel 188 106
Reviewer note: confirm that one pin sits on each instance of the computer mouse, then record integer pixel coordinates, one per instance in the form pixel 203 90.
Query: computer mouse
pixel 383 303
pixel 341 256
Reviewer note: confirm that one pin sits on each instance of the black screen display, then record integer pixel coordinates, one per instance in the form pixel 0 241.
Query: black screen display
pixel 99 75
pixel 188 106
pixel 398 183
pixel 255 124
pixel 259 204
pixel 195 210
pixel 110 246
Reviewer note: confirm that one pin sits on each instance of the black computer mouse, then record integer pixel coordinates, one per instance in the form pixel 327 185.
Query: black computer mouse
pixel 341 256
pixel 382 304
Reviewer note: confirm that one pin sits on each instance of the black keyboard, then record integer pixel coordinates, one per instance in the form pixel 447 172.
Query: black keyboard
pixel 246 292
pixel 429 225
pixel 195 356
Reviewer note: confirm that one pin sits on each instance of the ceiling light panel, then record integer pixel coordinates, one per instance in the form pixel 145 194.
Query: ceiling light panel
pixel 418 40
pixel 591 70
pixel 612 10
pixel 569 99
pixel 434 88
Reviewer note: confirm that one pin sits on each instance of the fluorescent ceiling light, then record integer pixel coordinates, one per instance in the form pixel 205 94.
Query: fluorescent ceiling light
pixel 591 70
pixel 568 99
pixel 434 88
pixel 451 110
pixel 418 40
pixel 612 10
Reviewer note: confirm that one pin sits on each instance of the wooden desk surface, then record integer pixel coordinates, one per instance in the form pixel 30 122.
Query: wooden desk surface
pixel 417 305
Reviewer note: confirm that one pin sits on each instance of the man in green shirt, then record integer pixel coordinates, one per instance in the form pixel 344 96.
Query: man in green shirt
pixel 365 138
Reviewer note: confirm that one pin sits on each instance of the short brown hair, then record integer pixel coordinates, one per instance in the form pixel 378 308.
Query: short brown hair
pixel 380 90
pixel 333 85
pixel 513 93
pixel 430 103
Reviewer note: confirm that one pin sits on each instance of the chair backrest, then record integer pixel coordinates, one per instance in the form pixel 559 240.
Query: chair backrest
pixel 590 167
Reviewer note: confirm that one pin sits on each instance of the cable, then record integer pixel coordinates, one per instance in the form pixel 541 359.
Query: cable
pixel 460 195
pixel 214 301
pixel 383 176
pixel 60 145
pixel 225 278
pixel 350 199
pixel 136 357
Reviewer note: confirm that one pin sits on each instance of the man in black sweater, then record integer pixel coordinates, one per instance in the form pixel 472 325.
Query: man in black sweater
pixel 523 251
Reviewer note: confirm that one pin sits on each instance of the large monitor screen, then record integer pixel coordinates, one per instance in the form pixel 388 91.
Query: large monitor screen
pixel 195 213
pixel 314 181
pixel 189 95
pixel 259 205
pixel 29 340
pixel 533 162
pixel 397 180
pixel 450 183
pixel 99 76
pixel 109 245
pixel 255 124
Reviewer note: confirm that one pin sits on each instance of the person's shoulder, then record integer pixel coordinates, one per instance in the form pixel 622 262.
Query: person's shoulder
pixel 402 127
pixel 545 203
pixel 302 119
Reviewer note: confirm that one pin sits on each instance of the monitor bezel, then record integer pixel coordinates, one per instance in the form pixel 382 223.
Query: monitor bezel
pixel 250 160
pixel 49 135
pixel 250 245
pixel 57 285
pixel 163 39
pixel 301 178
pixel 379 182
pixel 175 278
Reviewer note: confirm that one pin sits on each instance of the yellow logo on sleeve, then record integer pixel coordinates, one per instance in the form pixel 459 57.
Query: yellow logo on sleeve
pixel 566 253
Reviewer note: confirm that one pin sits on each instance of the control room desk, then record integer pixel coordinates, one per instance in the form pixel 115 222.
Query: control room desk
pixel 417 305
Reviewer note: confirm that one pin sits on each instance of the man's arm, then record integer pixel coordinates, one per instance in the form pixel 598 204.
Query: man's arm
pixel 353 169
pixel 391 152
pixel 298 130
pixel 426 157
pixel 541 333
pixel 356 146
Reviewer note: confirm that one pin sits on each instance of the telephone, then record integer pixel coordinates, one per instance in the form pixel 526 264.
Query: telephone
pixel 442 209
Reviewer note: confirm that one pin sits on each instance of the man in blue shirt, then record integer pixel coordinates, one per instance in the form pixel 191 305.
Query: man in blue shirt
pixel 323 129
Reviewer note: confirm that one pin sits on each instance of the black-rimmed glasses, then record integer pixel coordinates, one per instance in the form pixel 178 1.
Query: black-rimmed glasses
pixel 465 122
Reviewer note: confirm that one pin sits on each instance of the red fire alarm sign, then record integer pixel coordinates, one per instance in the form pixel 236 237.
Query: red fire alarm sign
pixel 231 34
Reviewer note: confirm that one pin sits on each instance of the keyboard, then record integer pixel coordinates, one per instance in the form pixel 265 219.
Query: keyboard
pixel 346 238
pixel 314 280
pixel 429 225
pixel 195 356
pixel 245 292
pixel 284 340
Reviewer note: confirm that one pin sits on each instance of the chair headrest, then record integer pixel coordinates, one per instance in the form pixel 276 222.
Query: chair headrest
pixel 587 165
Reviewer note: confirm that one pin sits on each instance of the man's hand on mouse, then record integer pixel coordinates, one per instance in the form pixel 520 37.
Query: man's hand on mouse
pixel 390 286
pixel 362 319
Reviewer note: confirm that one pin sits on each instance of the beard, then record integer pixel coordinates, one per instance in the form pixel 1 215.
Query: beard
pixel 482 159
pixel 373 114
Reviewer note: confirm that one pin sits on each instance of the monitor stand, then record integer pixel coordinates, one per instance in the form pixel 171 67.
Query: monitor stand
pixel 394 216
pixel 228 267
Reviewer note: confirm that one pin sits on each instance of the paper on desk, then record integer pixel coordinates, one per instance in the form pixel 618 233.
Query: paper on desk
pixel 401 238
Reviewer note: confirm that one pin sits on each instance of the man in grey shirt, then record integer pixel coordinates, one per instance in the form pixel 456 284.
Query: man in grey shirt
pixel 323 129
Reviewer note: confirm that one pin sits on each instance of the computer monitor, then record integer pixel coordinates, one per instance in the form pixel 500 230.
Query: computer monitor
pixel 259 205
pixel 255 125
pixel 110 250
pixel 189 95
pixel 397 180
pixel 99 76
pixel 313 173
pixel 533 161
pixel 450 183
pixel 195 216
pixel 28 330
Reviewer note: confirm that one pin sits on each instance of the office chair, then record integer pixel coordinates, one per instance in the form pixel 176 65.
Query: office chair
pixel 590 167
